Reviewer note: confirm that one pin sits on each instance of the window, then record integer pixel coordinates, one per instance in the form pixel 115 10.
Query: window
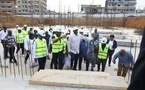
pixel 9 7
pixel 3 6
pixel 8 2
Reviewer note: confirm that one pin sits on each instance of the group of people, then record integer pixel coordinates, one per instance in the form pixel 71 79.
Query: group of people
pixel 68 49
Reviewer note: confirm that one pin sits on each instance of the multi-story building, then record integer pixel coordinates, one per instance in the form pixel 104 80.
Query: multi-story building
pixel 27 7
pixel 120 6
pixel 8 6
pixel 92 9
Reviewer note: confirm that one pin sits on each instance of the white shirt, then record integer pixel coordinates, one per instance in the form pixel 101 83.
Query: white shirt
pixel 110 45
pixel 28 43
pixel 74 43
pixel 34 50
pixel 3 34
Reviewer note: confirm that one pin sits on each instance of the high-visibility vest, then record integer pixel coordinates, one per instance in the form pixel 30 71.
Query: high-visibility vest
pixel 57 46
pixel 19 38
pixel 40 47
pixel 25 33
pixel 102 54
pixel 64 45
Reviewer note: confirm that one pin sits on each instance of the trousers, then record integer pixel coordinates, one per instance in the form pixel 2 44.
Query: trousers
pixel 103 62
pixel 11 51
pixel 20 46
pixel 74 60
pixel 122 70
pixel 41 62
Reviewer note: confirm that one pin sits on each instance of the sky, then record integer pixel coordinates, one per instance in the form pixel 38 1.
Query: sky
pixel 73 5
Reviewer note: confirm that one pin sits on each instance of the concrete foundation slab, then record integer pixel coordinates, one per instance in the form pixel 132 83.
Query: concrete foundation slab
pixel 79 79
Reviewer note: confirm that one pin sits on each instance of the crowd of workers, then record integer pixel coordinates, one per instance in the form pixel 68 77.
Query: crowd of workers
pixel 69 48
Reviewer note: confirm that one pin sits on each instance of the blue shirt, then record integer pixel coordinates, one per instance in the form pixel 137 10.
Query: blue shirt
pixel 83 48
pixel 125 60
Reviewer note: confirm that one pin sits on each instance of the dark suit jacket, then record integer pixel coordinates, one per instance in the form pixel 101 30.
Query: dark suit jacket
pixel 114 44
pixel 138 73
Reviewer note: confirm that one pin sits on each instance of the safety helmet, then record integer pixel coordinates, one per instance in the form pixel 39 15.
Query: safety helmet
pixel 80 30
pixel 25 25
pixel 41 33
pixel 17 26
pixel 58 29
pixel 104 40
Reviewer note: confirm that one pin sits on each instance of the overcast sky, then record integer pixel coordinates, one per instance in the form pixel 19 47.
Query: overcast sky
pixel 73 4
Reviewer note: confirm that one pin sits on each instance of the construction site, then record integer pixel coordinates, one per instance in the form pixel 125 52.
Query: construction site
pixel 127 29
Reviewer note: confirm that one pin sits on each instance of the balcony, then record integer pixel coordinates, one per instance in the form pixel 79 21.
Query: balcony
pixel 122 7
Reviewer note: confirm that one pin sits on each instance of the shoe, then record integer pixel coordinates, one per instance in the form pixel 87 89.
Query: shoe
pixel 98 70
pixel 109 65
pixel 92 69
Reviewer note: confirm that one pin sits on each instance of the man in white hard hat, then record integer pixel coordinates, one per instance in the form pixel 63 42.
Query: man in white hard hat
pixel 58 46
pixel 40 50
pixel 16 29
pixel 20 41
pixel 74 46
pixel 103 49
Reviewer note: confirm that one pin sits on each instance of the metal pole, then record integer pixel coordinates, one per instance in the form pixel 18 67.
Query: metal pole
pixel 13 63
pixel 21 64
pixel 10 65
pixel 135 51
pixel 18 45
pixel 1 65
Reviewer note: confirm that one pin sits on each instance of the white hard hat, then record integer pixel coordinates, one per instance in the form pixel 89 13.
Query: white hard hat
pixel 42 33
pixel 75 28
pixel 58 29
pixel 67 36
pixel 17 26
pixel 104 40
pixel 80 30
pixel 25 25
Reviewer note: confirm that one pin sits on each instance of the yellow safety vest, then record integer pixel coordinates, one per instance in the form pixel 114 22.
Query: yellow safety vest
pixel 19 38
pixel 57 46
pixel 41 47
pixel 64 45
pixel 25 33
pixel 102 54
